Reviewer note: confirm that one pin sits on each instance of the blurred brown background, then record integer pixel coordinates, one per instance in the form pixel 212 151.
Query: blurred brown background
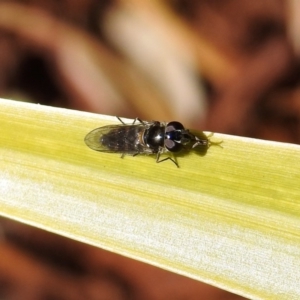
pixel 225 66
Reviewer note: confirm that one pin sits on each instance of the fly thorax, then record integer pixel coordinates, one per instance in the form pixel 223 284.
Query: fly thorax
pixel 154 137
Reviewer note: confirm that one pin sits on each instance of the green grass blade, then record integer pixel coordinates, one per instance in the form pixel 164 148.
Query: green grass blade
pixel 229 218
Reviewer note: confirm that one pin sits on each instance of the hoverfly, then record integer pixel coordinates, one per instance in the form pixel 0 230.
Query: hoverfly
pixel 144 138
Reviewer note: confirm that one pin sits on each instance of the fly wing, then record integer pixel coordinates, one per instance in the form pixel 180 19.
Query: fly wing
pixel 116 139
pixel 94 138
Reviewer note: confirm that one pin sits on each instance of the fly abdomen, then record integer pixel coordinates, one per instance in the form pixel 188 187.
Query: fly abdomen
pixel 122 139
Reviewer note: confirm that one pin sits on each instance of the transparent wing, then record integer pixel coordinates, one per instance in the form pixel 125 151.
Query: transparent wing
pixel 94 138
pixel 117 139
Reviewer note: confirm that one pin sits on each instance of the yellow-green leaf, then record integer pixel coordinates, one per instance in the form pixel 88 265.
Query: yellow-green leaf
pixel 230 217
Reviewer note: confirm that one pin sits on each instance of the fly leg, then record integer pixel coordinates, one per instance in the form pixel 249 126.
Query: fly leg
pixel 210 143
pixel 135 154
pixel 167 158
pixel 136 119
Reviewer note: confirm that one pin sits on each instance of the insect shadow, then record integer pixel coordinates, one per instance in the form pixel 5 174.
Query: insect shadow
pixel 202 149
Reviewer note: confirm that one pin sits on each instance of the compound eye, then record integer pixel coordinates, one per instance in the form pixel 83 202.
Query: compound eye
pixel 174 126
pixel 173 146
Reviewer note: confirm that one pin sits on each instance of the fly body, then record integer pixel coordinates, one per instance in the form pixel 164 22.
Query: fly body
pixel 144 138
